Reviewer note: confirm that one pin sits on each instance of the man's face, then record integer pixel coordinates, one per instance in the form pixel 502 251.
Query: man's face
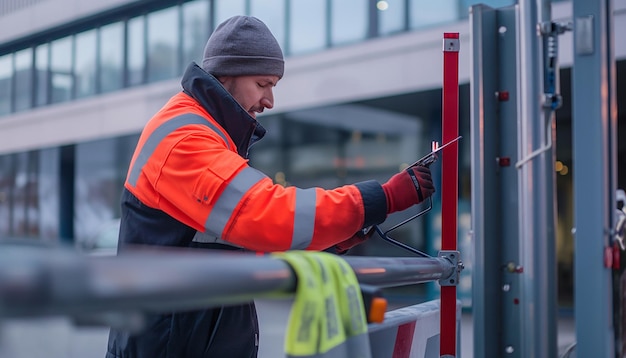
pixel 253 93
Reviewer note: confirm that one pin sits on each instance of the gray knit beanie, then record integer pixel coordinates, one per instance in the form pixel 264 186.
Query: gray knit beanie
pixel 243 45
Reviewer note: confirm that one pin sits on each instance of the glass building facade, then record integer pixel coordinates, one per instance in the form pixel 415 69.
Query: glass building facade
pixel 145 44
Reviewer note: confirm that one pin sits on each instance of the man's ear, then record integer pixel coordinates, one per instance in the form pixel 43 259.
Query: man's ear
pixel 223 79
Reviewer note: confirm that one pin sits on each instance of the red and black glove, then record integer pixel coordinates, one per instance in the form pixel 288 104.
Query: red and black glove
pixel 407 188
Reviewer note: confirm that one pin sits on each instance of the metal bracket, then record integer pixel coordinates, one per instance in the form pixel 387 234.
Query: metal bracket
pixel 554 28
pixel 550 31
pixel 584 36
pixel 551 100
pixel 451 45
pixel 455 258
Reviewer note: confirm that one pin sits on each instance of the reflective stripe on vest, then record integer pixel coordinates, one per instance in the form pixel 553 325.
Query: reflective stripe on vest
pixel 160 133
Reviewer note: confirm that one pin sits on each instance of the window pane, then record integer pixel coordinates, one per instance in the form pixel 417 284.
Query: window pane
pixel 307 21
pixel 101 168
pixel 163 44
pixel 42 80
pixel 94 194
pixel 391 16
pixel 61 70
pixel 25 196
pixel 272 13
pixel 111 57
pixel 6 71
pixel 7 178
pixel 426 13
pixel 195 31
pixel 349 21
pixel 49 201
pixel 136 51
pixel 85 68
pixel 227 8
pixel 23 79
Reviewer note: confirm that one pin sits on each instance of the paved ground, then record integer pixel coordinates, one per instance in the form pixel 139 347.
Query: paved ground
pixel 58 338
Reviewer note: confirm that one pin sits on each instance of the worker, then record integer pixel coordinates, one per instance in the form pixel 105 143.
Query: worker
pixel 189 184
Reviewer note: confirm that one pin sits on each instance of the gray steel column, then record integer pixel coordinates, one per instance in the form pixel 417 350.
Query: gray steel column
pixel 485 293
pixel 594 153
pixel 496 280
pixel 536 190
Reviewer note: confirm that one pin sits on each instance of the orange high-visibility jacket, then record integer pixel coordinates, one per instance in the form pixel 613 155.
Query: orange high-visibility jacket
pixel 191 164
pixel 189 184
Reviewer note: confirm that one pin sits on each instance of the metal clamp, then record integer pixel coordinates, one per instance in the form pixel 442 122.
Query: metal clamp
pixel 455 258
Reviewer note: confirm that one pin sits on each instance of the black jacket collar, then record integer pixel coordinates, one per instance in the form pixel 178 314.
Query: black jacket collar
pixel 209 92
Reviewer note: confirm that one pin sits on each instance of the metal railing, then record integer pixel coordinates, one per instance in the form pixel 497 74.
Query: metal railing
pixel 42 281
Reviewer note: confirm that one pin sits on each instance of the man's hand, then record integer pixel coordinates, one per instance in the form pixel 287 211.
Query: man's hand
pixel 407 188
pixel 360 237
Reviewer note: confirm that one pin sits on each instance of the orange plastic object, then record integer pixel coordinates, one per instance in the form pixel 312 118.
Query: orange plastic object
pixel 377 310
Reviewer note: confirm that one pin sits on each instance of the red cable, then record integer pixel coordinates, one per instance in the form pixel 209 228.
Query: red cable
pixel 449 184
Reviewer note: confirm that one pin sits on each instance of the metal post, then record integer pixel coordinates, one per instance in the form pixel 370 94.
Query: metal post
pixel 449 184
pixel 594 144
pixel 496 280
pixel 536 191
pixel 518 231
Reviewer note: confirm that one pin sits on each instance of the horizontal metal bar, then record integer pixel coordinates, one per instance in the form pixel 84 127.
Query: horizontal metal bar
pixel 39 281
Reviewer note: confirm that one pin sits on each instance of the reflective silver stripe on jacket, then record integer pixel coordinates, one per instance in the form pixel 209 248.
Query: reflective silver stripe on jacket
pixel 163 131
pixel 304 219
pixel 228 200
